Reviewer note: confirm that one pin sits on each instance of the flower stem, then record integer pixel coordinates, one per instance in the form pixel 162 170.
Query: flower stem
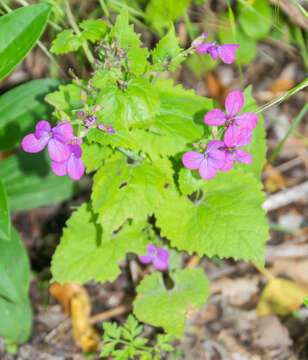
pixel 75 27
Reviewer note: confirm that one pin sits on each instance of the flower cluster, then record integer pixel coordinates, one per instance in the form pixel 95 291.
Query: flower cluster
pixel 90 122
pixel 237 132
pixel 63 148
pixel 225 52
pixel 157 256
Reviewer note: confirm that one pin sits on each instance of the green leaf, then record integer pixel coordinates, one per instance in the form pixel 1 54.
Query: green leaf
pixel 111 330
pixel 20 109
pixel 93 155
pixel 166 55
pixel 137 58
pixel 124 33
pixel 257 147
pixel 118 191
pixel 106 77
pixel 66 99
pixel 30 183
pixel 160 13
pixel 189 181
pixel 82 255
pixel 5 223
pixel 158 306
pixel 15 309
pixel 20 30
pixel 132 326
pixel 255 18
pixel 247 50
pixel 65 42
pixel 107 349
pixel 93 30
pixel 180 118
pixel 233 201
pixel 135 107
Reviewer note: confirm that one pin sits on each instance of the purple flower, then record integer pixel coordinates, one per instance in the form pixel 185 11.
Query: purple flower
pixel 73 166
pixel 208 162
pixel 226 52
pixel 158 257
pixel 57 139
pixel 233 153
pixel 106 128
pixel 90 120
pixel 234 122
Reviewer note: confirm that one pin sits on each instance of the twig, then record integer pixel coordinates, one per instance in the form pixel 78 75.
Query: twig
pixel 110 313
pixel 263 271
pixel 193 262
pixel 286 197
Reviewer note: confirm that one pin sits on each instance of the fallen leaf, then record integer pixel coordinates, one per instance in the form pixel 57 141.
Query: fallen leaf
pixel 281 297
pixel 64 294
pixel 296 269
pixel 216 88
pixel 274 181
pixel 77 304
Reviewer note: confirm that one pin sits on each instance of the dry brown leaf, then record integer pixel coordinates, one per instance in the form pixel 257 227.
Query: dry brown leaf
pixel 216 88
pixel 85 335
pixel 297 269
pixel 281 297
pixel 64 294
pixel 282 85
pixel 274 181
pixel 76 303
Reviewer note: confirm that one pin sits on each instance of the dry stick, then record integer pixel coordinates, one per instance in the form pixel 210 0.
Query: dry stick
pixel 193 262
pixel 110 313
pixel 263 271
pixel 286 197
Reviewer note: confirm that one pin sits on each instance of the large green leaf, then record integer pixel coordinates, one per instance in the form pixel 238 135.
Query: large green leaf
pixel 5 226
pixel 118 190
pixel 21 108
pixel 228 222
pixel 15 309
pixel 30 183
pixel 82 255
pixel 158 306
pixel 19 31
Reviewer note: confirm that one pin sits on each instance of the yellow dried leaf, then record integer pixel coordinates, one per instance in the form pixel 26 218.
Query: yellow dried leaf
pixel 64 294
pixel 281 297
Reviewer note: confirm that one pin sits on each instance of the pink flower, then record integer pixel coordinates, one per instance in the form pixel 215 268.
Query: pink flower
pixel 233 153
pixel 56 138
pixel 73 166
pixel 208 162
pixel 234 122
pixel 158 257
pixel 226 52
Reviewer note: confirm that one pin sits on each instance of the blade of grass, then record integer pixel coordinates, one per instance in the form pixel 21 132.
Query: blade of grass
pixel 280 228
pixel 189 26
pixel 285 96
pixel 289 132
pixel 301 43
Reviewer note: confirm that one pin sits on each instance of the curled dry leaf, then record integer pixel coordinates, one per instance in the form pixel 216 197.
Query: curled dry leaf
pixel 76 303
pixel 281 297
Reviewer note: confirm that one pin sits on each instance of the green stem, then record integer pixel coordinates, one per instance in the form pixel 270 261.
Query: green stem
pixel 75 27
pixel 301 43
pixel 105 9
pixel 189 26
pixel 292 127
pixel 130 154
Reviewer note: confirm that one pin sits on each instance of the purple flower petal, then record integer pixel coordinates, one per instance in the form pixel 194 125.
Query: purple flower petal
pixel 63 132
pixel 76 150
pixel 246 120
pixel 213 145
pixel 206 171
pixel 161 260
pixel 213 51
pixel 145 259
pixel 75 167
pixel 30 143
pixel 245 138
pixel 228 164
pixel 58 151
pixel 215 117
pixel 59 168
pixel 234 102
pixel 42 129
pixel 151 249
pixel 203 48
pixel 232 136
pixel 227 52
pixel 242 156
pixel 192 160
pixel 205 35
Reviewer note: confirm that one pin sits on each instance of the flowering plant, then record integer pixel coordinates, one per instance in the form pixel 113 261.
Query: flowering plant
pixel 141 135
